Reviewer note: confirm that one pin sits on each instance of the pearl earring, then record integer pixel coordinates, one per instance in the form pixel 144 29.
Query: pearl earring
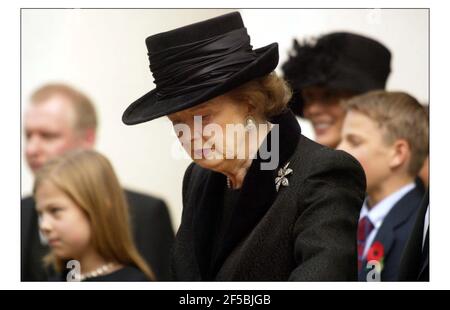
pixel 250 123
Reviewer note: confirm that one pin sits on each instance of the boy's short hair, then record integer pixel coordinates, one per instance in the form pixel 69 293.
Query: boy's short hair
pixel 86 116
pixel 401 116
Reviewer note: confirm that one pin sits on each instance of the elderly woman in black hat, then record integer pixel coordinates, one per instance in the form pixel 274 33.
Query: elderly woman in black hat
pixel 334 67
pixel 261 201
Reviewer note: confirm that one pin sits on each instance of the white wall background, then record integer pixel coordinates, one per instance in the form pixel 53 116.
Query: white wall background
pixel 102 52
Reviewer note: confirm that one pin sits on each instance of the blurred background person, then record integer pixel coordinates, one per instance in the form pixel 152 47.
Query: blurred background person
pixel 415 262
pixel 83 214
pixel 326 70
pixel 58 119
pixel 388 133
pixel 414 265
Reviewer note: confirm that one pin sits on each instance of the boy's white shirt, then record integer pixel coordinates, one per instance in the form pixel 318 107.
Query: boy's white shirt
pixel 378 212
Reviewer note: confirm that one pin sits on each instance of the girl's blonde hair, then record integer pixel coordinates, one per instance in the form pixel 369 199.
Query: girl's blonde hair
pixel 88 179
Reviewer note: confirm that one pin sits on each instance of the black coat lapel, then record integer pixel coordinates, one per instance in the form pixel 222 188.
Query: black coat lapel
pixel 425 249
pixel 258 190
pixel 413 254
pixel 207 206
pixel 424 262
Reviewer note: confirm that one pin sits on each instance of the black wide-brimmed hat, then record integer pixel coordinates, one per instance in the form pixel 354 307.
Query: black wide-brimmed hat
pixel 198 62
pixel 339 61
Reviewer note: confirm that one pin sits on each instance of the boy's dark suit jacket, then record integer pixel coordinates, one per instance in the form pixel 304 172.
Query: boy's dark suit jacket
pixel 151 226
pixel 304 232
pixel 415 259
pixel 394 233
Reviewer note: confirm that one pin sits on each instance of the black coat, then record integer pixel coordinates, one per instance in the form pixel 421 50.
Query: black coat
pixel 306 231
pixel 152 231
pixel 393 234
pixel 414 264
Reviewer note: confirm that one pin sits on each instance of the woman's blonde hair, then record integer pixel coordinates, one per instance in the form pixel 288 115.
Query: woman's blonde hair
pixel 269 94
pixel 88 179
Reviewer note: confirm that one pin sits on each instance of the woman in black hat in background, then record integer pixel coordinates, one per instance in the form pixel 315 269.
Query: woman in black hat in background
pixel 286 210
pixel 336 66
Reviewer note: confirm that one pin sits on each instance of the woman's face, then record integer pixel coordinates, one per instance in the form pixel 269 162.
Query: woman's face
pixel 322 107
pixel 62 222
pixel 213 133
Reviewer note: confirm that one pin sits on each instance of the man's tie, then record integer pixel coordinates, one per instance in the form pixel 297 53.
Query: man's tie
pixel 365 227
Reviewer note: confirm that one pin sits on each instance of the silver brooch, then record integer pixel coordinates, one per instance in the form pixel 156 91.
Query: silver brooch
pixel 282 174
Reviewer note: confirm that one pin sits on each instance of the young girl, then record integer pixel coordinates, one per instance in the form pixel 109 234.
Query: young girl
pixel 83 215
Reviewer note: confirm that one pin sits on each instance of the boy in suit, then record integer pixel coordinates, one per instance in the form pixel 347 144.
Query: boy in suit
pixel 388 133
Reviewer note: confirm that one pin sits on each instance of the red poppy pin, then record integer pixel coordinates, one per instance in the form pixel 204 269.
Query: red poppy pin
pixel 376 252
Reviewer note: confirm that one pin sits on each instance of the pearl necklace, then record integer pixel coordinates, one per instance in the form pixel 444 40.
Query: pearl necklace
pixel 228 182
pixel 97 272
